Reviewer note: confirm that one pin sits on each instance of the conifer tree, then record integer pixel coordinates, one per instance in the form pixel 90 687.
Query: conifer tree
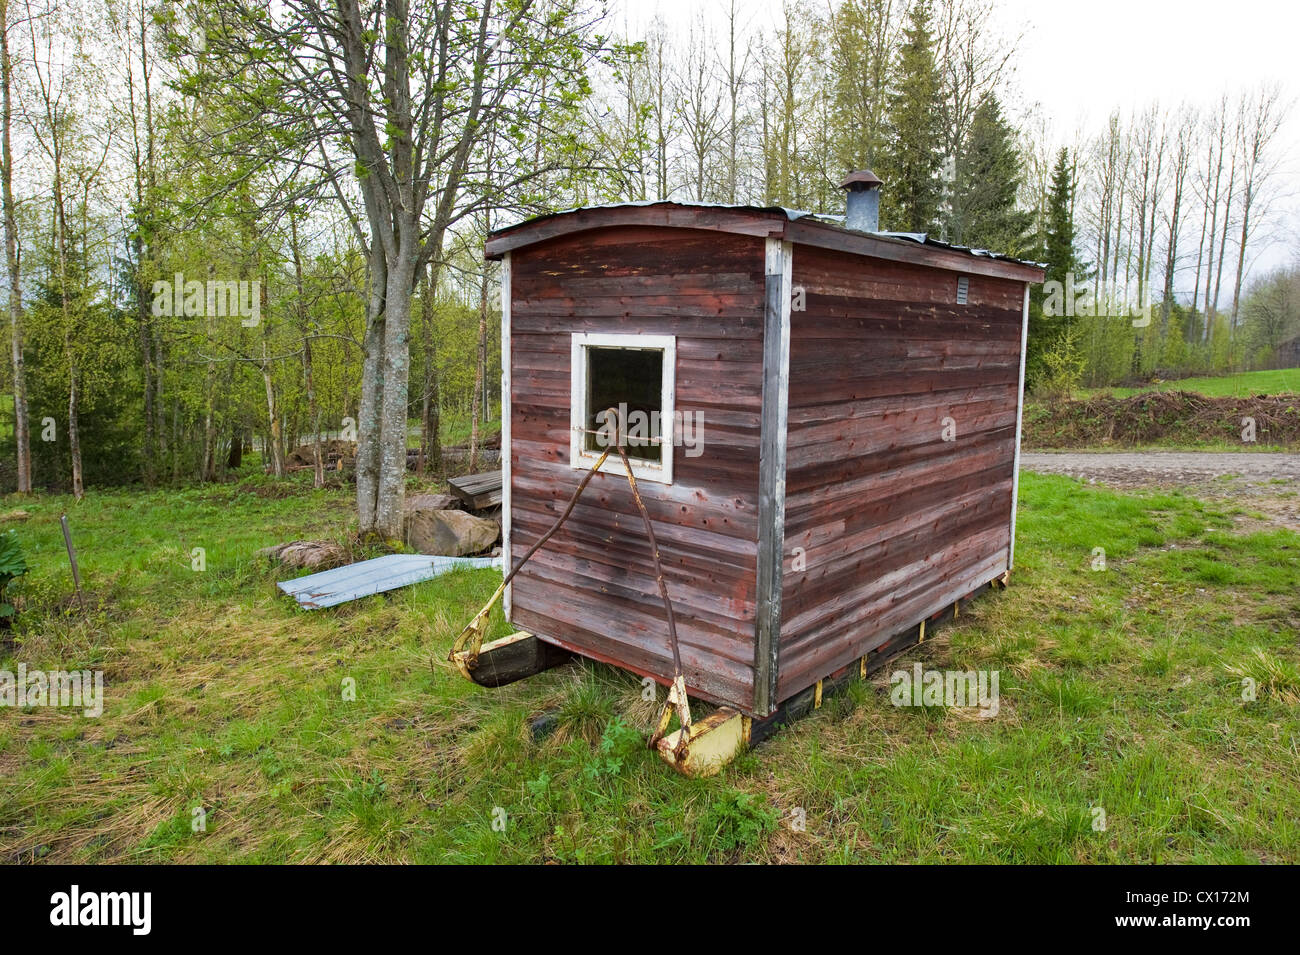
pixel 913 191
pixel 1048 318
pixel 983 212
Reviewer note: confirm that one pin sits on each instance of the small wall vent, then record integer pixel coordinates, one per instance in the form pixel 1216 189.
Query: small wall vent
pixel 963 286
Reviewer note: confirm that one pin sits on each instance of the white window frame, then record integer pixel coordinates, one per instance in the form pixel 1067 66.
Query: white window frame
pixel 583 460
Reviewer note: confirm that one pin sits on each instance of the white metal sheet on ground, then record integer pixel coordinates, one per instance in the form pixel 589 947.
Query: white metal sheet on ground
pixel 342 584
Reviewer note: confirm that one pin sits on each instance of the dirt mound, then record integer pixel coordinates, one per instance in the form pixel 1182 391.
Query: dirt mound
pixel 1169 417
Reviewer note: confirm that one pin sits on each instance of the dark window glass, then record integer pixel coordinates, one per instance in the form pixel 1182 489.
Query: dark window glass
pixel 628 380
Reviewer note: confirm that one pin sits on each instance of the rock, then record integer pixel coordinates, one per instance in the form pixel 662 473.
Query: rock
pixel 308 555
pixel 432 502
pixel 543 725
pixel 15 515
pixel 450 533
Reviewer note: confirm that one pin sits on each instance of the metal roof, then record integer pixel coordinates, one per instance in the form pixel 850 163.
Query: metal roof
pixel 826 218
pixel 342 584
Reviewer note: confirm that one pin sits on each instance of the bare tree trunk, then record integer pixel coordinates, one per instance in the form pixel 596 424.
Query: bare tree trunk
pixel 313 409
pixel 430 423
pixel 1217 165
pixel 1181 160
pixel 1261 119
pixel 160 398
pixel 208 471
pixel 1200 247
pixel 477 402
pixel 308 375
pixel 734 81
pixel 56 121
pixel 176 439
pixel 74 431
pixel 391 489
pixel 272 417
pixel 74 373
pixel 1223 241
pixel 143 162
pixel 372 386
pixel 22 426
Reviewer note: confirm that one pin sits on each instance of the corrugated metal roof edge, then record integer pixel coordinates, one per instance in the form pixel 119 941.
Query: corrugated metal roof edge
pixel 825 218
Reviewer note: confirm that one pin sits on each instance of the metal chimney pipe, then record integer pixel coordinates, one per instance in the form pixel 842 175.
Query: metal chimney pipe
pixel 862 211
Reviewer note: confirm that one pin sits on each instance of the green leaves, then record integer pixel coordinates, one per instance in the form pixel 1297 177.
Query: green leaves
pixel 12 566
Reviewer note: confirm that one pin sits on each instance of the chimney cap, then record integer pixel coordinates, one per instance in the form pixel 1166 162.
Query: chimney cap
pixel 861 179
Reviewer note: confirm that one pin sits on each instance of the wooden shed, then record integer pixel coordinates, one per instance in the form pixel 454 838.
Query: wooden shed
pixel 838 424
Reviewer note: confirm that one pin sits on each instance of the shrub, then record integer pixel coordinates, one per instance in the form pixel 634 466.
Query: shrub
pixel 12 566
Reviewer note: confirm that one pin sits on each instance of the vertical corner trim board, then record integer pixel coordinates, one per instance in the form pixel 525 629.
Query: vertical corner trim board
pixel 778 270
pixel 1020 417
pixel 508 561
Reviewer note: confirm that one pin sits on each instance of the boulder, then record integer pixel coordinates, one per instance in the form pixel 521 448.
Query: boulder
pixel 449 533
pixel 432 502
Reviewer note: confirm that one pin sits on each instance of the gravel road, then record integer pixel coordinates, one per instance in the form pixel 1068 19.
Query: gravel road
pixel 1267 485
pixel 1164 467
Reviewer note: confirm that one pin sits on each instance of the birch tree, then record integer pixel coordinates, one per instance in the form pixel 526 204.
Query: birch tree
pixel 407 89
pixel 22 427
pixel 1262 114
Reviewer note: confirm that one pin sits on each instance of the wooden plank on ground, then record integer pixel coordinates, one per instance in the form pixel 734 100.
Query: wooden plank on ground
pixel 478 490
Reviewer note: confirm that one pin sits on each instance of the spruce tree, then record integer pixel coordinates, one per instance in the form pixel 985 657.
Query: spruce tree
pixel 983 211
pixel 1048 320
pixel 912 191
pixel 1058 224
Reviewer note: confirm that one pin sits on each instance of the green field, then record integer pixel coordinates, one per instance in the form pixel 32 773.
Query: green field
pixel 1240 385
pixel 1121 691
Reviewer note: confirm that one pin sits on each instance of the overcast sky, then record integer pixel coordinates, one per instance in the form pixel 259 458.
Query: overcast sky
pixel 1080 61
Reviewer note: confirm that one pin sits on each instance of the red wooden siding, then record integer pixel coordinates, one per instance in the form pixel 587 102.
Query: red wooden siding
pixel 894 523
pixel 592 589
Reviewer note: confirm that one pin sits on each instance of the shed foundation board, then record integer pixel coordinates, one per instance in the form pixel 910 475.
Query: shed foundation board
pixel 508 659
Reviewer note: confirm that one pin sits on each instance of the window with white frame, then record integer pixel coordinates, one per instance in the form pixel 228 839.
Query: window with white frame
pixel 632 376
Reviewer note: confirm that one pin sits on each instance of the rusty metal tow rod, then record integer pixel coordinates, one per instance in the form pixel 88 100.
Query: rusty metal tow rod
pixel 472 635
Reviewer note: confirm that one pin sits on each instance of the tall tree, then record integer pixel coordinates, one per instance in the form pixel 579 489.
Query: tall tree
pixel 131 23
pixel 733 75
pixel 61 71
pixel 411 87
pixel 974 57
pixel 912 192
pixel 1184 134
pixel 1262 114
pixel 787 72
pixel 983 212
pixel 862 39
pixel 22 427
pixel 1062 265
pixel 702 111
pixel 1212 182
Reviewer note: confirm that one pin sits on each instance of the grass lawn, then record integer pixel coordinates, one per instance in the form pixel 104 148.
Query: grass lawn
pixel 454 428
pixel 1121 690
pixel 1244 384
